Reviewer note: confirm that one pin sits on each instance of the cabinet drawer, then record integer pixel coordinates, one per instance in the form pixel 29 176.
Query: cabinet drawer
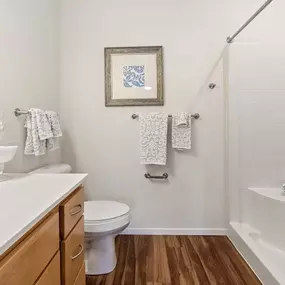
pixel 26 262
pixel 81 278
pixel 72 254
pixel 52 273
pixel 71 211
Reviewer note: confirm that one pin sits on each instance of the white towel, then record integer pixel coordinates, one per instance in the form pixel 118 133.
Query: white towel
pixel 34 145
pixel 153 138
pixel 182 119
pixel 181 131
pixel 53 119
pixel 43 131
pixel 43 125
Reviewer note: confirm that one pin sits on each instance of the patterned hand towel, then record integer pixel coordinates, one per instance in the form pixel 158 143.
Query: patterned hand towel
pixel 53 119
pixel 43 125
pixel 182 119
pixel 181 131
pixel 34 145
pixel 153 138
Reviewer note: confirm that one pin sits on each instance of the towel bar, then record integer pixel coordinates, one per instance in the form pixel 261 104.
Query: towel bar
pixel 19 112
pixel 195 116
pixel 163 176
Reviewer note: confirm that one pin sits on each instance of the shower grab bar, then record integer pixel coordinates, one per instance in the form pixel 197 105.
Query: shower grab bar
pixel 195 116
pixel 230 39
pixel 163 176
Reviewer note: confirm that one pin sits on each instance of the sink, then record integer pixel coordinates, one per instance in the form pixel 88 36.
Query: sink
pixel 7 153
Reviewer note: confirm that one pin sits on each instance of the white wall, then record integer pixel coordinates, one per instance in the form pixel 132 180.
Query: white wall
pixel 105 142
pixel 29 74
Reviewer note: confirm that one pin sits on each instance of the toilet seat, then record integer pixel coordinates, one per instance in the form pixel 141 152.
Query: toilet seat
pixel 105 216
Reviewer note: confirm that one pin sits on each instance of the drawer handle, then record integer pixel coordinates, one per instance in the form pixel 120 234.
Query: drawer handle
pixel 79 253
pixel 79 206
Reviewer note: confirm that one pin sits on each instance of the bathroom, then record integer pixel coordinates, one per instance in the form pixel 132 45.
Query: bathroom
pixel 53 59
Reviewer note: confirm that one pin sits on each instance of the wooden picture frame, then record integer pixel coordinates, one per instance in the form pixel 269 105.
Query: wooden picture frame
pixel 134 76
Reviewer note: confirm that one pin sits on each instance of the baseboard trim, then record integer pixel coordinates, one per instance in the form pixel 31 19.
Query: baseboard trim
pixel 176 231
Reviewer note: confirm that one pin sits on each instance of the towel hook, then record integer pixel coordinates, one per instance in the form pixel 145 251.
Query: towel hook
pixel 212 86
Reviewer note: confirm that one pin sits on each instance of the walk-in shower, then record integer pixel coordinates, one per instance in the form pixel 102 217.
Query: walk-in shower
pixel 256 140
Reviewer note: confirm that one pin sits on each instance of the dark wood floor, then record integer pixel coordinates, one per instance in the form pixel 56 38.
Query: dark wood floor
pixel 176 260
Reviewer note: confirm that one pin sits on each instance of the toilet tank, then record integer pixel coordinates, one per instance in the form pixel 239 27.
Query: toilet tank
pixel 53 168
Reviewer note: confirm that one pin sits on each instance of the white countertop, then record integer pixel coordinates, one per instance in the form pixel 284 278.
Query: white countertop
pixel 26 200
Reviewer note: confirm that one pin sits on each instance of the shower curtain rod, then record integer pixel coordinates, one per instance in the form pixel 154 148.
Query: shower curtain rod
pixel 230 39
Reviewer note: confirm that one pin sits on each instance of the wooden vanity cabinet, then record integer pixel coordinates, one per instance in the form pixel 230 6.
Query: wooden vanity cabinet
pixel 52 252
pixel 72 233
pixel 71 212
pixel 51 276
pixel 24 264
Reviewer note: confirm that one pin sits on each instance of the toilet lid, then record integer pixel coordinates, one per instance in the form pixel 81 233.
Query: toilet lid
pixel 104 210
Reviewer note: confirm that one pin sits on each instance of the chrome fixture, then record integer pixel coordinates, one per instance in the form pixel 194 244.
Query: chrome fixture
pixel 19 112
pixel 212 86
pixel 196 116
pixel 230 39
pixel 163 176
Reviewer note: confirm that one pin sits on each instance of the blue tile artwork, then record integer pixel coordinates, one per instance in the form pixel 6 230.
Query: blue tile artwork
pixel 134 76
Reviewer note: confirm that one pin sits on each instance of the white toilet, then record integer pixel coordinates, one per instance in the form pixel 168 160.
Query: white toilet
pixel 103 221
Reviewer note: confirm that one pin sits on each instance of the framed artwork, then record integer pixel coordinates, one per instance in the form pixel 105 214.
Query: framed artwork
pixel 134 76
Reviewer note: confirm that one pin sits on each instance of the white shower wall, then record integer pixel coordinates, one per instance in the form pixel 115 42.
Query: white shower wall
pixel 255 107
pixel 257 100
pixel 256 153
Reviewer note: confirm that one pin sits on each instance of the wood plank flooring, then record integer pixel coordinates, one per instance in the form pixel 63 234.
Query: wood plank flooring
pixel 176 260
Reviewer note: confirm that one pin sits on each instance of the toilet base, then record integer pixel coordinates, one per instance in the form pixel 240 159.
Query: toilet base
pixel 100 255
